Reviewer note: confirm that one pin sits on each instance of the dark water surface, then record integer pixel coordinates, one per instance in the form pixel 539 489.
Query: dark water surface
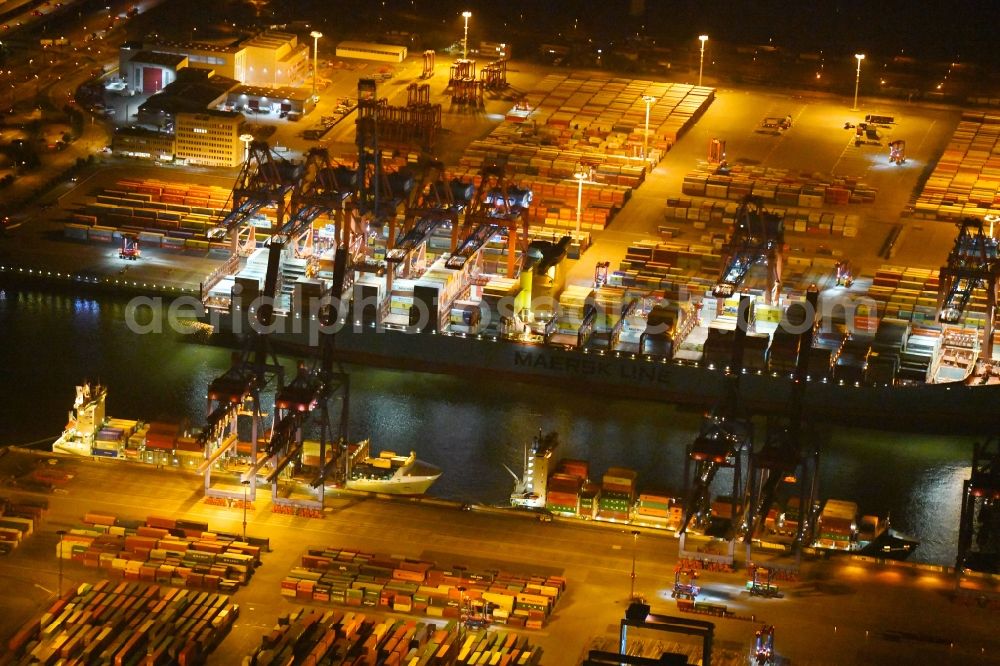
pixel 49 342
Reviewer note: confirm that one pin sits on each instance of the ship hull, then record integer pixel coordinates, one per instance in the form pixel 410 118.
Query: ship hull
pixel 409 486
pixel 954 408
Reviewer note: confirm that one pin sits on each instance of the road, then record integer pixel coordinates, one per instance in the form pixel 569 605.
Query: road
pixel 841 612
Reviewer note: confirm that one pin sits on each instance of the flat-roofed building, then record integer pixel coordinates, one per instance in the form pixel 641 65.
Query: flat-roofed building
pixel 274 59
pixel 270 101
pixel 224 59
pixel 194 91
pixel 143 143
pixel 209 138
pixel 150 72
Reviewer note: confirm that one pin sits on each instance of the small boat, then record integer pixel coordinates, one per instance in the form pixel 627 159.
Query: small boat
pixel 890 545
pixel 388 473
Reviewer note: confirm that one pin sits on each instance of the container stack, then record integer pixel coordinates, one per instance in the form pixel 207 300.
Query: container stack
pixel 562 494
pixel 573 303
pixel 108 442
pixel 678 268
pixel 887 347
pixel 617 494
pixel 125 623
pixel 356 579
pixel 162 436
pixel 160 214
pixel 921 348
pixel 725 507
pixel 161 550
pixel 590 497
pixel 653 509
pixel 784 352
pixel 852 363
pixel 966 180
pixel 837 524
pixel 824 352
pixel 600 122
pixel 327 637
pixel 18 521
pixel 609 302
pixel 701 213
pixel 778 186
pixel 911 294
pixel 498 290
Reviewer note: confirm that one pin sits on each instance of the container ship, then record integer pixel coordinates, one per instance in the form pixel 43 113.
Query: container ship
pixel 90 432
pixel 388 473
pixel 564 488
pixel 866 366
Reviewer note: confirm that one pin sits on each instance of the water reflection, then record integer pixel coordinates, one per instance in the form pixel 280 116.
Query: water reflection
pixel 469 429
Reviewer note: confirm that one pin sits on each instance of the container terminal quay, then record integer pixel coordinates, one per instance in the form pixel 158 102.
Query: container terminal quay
pixel 837 611
pixel 754 253
pixel 687 233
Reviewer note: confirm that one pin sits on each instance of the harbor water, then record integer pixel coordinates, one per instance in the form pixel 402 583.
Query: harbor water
pixel 471 429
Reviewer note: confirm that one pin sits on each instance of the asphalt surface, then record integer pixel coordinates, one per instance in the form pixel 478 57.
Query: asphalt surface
pixel 840 612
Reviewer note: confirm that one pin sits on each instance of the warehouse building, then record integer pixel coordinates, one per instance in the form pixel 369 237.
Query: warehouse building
pixel 150 72
pixel 146 68
pixel 274 59
pixel 194 91
pixel 281 102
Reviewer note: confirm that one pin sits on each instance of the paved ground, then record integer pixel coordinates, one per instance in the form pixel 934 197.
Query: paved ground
pixel 817 144
pixel 840 612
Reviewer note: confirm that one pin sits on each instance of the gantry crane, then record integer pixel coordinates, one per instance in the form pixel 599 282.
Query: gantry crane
pixel 373 193
pixel 496 205
pixel 322 188
pixel 311 391
pixel 972 264
pixel 251 372
pixel 431 203
pixel 726 435
pixel 979 529
pixel 784 452
pixel 758 236
pixel 266 179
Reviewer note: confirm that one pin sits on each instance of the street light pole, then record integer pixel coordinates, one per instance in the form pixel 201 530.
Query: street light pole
pixel 246 139
pixel 465 40
pixel 580 176
pixel 648 99
pixel 61 533
pixel 701 61
pixel 246 484
pixel 857 80
pixel 315 34
pixel 635 540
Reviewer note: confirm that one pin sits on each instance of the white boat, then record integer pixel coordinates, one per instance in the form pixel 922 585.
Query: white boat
pixel 388 473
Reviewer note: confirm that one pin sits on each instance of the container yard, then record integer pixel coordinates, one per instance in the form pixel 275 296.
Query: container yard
pixel 159 214
pixel 161 550
pixel 335 637
pixel 966 179
pixel 588 566
pixel 120 623
pixel 356 579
